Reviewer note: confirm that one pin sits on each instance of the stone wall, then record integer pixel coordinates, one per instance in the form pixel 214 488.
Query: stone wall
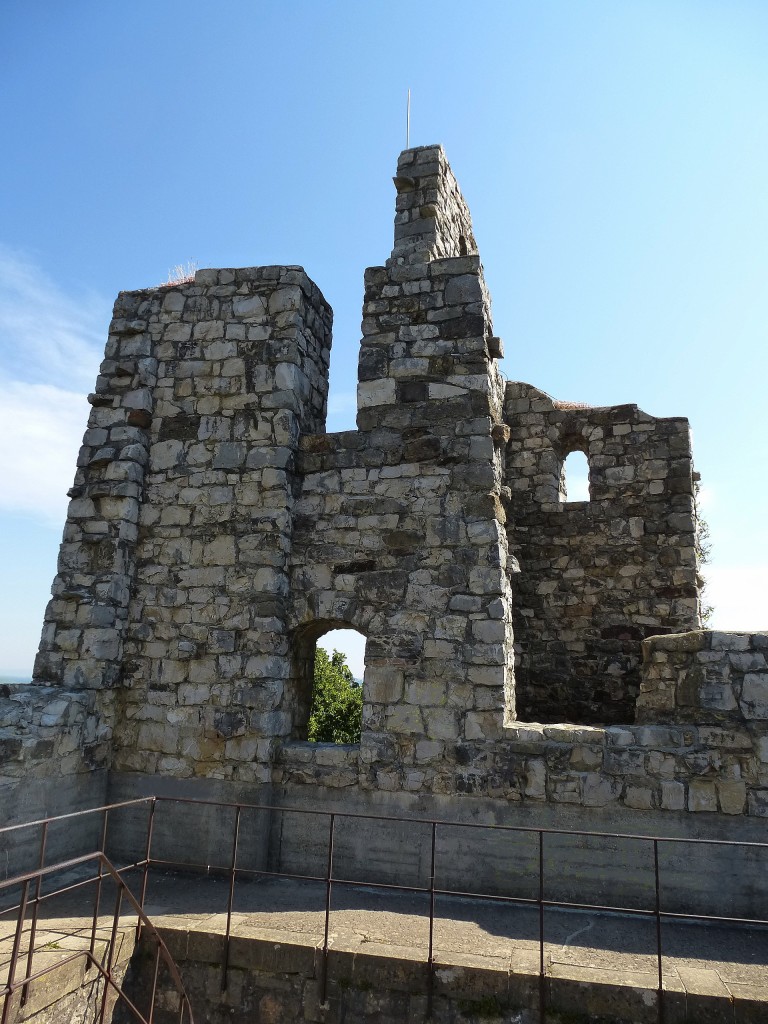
pixel 599 576
pixel 693 760
pixel 55 752
pixel 242 367
pixel 709 677
pixel 273 980
pixel 215 532
pixel 258 532
pixel 399 527
pixel 432 219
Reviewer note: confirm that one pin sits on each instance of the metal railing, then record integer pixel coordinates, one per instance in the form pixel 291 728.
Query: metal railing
pixel 33 895
pixel 233 871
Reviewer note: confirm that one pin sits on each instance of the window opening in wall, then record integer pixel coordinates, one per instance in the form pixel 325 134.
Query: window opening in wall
pixel 336 707
pixel 574 478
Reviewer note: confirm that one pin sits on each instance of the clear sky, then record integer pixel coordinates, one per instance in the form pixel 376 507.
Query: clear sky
pixel 613 155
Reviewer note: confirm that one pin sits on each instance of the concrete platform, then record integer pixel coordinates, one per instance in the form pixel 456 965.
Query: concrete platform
pixel 604 962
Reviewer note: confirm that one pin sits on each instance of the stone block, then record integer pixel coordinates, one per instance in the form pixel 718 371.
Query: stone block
pixel 702 796
pixel 732 796
pixel 638 796
pixel 597 791
pixel 672 796
pixel 754 696
pixel 425 692
pixel 376 392
pixel 404 718
pixel 440 724
pixel 429 750
pixel 383 685
pixel 717 696
pixel 721 641
pixel 535 779
pixel 462 289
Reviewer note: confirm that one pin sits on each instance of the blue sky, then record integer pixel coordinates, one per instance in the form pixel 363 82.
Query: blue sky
pixel 613 155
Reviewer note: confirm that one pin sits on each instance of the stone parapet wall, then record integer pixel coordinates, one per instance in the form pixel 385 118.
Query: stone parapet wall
pixel 271 981
pixel 710 761
pixel 708 677
pixel 654 767
pixel 599 576
pixel 41 726
pixel 55 754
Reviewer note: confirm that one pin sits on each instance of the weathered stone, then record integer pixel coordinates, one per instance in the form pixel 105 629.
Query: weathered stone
pixel 672 796
pixel 702 796
pixel 754 695
pixel 535 779
pixel 216 531
pixel 732 796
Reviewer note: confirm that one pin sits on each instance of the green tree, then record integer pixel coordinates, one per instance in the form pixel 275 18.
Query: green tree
pixel 337 701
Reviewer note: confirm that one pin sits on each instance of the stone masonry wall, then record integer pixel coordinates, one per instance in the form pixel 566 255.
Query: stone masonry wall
pixel 55 752
pixel 432 219
pixel 215 532
pixel 698 758
pixel 242 361
pixel 85 621
pixel 399 528
pixel 246 555
pixel 598 576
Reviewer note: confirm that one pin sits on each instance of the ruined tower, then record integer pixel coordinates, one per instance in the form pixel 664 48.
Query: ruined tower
pixel 513 637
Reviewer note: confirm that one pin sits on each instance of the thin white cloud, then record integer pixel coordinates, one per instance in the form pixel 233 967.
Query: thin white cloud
pixel 45 334
pixel 43 426
pixel 50 348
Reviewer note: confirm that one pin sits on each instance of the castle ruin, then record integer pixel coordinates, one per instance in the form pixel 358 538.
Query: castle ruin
pixel 540 656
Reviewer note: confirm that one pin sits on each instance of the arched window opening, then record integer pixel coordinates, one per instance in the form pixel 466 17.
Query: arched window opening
pixel 331 668
pixel 462 246
pixel 574 478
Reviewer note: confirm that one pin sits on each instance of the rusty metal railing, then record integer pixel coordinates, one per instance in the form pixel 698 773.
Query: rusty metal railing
pixel 104 870
pixel 233 871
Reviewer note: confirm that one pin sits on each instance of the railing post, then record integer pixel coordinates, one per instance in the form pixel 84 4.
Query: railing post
pixel 542 981
pixel 660 996
pixel 97 898
pixel 431 958
pixel 328 876
pixel 147 851
pixel 225 966
pixel 154 986
pixel 33 929
pixel 111 951
pixel 15 952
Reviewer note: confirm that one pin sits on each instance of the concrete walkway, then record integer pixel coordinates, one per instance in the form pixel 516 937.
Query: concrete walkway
pixel 730 962
pixel 727 965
